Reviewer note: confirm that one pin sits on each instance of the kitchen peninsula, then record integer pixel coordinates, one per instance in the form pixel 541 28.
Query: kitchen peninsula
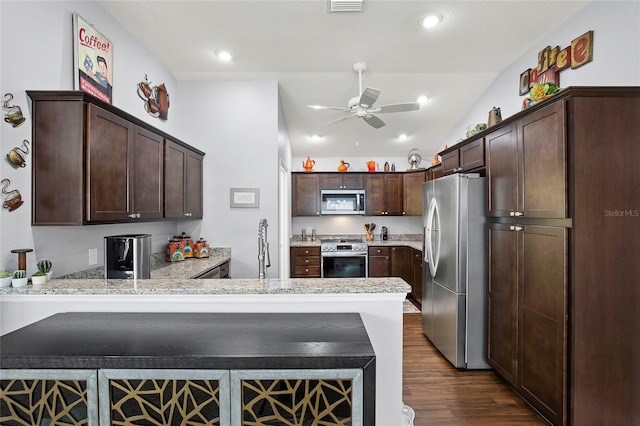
pixel 378 301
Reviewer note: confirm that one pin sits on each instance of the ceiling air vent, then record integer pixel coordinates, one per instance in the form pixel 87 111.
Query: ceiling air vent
pixel 345 5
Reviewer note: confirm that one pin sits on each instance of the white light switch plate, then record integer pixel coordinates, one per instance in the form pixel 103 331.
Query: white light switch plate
pixel 93 256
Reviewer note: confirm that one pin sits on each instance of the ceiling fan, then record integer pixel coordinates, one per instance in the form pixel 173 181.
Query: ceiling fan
pixel 363 106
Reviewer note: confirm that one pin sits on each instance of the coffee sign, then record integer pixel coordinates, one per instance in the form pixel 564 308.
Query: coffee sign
pixel 553 60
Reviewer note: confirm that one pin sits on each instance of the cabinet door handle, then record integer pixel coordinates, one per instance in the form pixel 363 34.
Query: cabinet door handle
pixel 518 214
pixel 515 228
pixel 134 215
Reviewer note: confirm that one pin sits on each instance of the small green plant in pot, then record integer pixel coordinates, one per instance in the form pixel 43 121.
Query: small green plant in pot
pixel 44 266
pixel 5 278
pixel 39 278
pixel 19 278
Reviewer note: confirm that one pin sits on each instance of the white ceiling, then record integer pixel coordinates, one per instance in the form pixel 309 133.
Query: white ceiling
pixel 310 52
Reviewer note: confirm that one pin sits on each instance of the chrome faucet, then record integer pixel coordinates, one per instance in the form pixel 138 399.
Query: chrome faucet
pixel 264 261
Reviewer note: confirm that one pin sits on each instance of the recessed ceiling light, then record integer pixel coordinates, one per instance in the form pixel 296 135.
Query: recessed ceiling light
pixel 431 20
pixel 316 138
pixel 224 55
pixel 422 99
pixel 402 137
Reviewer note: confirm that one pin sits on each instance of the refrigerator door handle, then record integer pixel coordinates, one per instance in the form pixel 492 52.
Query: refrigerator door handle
pixel 432 216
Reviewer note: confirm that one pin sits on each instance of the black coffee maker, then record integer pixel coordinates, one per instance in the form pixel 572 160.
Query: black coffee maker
pixel 127 256
pixel 384 233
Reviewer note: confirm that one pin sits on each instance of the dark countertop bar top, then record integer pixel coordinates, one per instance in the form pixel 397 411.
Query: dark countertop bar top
pixel 84 340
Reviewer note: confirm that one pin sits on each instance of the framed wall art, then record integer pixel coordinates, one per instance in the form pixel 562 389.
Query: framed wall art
pixel 92 60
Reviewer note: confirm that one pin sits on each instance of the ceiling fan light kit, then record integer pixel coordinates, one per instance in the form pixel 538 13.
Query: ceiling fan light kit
pixel 362 106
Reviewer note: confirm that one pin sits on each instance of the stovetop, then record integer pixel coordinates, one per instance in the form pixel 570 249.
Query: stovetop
pixel 343 245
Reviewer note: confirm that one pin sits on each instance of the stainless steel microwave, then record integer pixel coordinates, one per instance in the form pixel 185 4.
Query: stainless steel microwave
pixel 343 201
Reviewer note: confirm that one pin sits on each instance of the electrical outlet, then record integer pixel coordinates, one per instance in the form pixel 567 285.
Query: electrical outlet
pixel 93 256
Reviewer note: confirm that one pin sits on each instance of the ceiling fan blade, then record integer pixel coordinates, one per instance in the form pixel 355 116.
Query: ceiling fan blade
pixel 346 117
pixel 369 97
pixel 373 121
pixel 411 106
pixel 328 107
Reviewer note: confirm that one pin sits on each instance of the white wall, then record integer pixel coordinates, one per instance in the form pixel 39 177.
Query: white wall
pixel 616 59
pixel 236 124
pixel 37 54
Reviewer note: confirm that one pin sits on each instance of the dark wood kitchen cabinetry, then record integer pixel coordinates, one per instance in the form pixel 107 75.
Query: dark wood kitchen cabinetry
pixel 306 194
pixel 562 287
pixel 384 194
pixel 412 192
pixel 527 170
pixel 379 261
pixel 400 266
pixel 527 307
pixel 183 182
pixel 124 168
pixel 342 180
pixel 416 274
pixel 465 157
pixel 109 163
pixel 305 262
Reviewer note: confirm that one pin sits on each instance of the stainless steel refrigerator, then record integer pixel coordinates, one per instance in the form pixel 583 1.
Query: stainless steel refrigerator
pixel 454 268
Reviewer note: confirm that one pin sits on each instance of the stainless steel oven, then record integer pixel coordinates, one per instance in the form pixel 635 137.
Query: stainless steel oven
pixel 344 259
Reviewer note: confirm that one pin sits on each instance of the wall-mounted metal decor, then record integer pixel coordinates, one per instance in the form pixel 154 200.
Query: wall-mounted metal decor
pixel 14 112
pixel 17 155
pixel 156 99
pixel 13 199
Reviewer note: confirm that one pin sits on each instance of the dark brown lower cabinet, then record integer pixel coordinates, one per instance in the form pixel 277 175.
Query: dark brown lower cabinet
pixel 527 313
pixel 305 262
pixel 416 274
pixel 379 261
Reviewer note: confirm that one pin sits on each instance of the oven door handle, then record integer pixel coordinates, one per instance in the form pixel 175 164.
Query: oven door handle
pixel 343 254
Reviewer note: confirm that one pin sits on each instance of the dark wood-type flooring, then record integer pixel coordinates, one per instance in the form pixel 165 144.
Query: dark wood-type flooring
pixel 442 395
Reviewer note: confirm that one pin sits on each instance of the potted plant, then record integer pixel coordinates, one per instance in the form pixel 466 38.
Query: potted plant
pixel 39 278
pixel 44 266
pixel 5 278
pixel 19 278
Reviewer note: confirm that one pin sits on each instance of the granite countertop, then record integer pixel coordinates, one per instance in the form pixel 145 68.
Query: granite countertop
pixel 375 243
pixel 189 268
pixel 187 286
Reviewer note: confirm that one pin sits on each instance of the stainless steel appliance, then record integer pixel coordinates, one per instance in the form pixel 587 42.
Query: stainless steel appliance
pixel 343 258
pixel 343 201
pixel 454 268
pixel 264 260
pixel 127 256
